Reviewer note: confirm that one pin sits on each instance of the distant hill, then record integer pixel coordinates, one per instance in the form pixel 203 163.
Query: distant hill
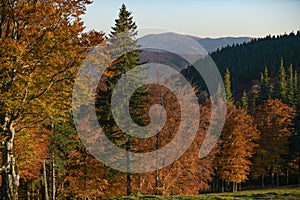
pixel 209 44
pixel 246 61
pixel 175 61
pixel 213 44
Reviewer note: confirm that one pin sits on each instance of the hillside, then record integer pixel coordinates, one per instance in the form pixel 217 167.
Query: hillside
pixel 213 44
pixel 247 61
pixel 170 41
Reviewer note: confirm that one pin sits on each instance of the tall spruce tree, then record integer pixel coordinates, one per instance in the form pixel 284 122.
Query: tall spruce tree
pixel 126 55
pixel 291 87
pixel 265 87
pixel 227 83
pixel 282 82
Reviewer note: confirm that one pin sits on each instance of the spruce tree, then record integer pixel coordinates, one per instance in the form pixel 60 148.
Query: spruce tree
pixel 126 56
pixel 244 101
pixel 227 84
pixel 296 86
pixel 265 87
pixel 291 87
pixel 282 82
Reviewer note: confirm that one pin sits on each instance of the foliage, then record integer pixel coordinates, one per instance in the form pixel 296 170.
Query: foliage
pixel 41 45
pixel 227 84
pixel 238 141
pixel 31 149
pixel 274 120
pixel 247 61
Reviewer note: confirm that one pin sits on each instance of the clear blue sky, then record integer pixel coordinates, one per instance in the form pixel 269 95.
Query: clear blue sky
pixel 211 18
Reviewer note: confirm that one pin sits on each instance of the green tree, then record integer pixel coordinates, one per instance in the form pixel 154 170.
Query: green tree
pixel 227 83
pixel 282 82
pixel 126 56
pixel 291 86
pixel 244 101
pixel 265 87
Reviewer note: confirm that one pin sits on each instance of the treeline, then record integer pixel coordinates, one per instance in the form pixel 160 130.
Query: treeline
pixel 274 105
pixel 246 61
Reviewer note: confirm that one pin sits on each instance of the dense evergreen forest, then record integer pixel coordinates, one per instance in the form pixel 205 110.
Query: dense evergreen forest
pixel 247 61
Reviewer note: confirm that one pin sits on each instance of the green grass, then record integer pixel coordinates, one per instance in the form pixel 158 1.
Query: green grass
pixel 291 192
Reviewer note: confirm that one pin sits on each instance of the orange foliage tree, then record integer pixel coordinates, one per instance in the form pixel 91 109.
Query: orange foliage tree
pixel 274 120
pixel 189 174
pixel 236 147
pixel 31 149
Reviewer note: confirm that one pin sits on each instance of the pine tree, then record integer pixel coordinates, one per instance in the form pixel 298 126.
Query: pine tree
pixel 227 84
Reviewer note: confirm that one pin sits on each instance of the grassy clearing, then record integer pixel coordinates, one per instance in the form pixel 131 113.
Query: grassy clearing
pixel 291 192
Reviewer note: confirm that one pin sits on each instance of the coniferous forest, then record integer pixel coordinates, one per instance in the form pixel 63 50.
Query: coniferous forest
pixel 42 47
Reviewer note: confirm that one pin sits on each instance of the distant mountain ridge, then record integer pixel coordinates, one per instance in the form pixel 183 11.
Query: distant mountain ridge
pixel 213 44
pixel 209 44
pixel 186 43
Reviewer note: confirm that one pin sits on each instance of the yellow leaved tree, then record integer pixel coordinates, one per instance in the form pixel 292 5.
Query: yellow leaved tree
pixel 41 46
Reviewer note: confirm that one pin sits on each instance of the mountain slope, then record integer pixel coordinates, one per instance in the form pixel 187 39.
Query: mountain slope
pixel 247 61
pixel 213 44
pixel 209 44
pixel 173 41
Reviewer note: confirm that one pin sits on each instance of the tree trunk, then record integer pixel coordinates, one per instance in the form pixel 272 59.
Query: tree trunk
pixel 53 177
pixel 28 192
pixel 156 171
pixel 271 176
pixel 262 180
pixel 277 174
pixel 85 174
pixel 10 178
pixel 287 176
pixel 277 178
pixel 299 168
pixel 129 176
pixel 222 185
pixel 45 179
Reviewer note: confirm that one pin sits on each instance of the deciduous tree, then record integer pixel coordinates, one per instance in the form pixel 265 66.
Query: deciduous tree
pixel 274 120
pixel 238 140
pixel 41 46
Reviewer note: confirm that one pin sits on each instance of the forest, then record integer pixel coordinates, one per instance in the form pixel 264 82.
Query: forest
pixel 43 46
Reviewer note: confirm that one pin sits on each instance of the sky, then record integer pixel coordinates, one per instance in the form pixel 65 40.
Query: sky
pixel 210 18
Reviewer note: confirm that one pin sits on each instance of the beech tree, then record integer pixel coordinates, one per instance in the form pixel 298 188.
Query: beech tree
pixel 41 46
pixel 189 174
pixel 31 150
pixel 274 120
pixel 236 147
